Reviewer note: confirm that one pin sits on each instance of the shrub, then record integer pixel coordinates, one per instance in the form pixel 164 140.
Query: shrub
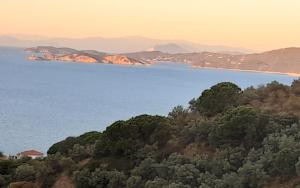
pixel 252 175
pixel 218 167
pixel 241 125
pixel 230 180
pixel 2 181
pixel 51 167
pixel 281 153
pixel 187 174
pixel 79 152
pixel 82 178
pixel 207 180
pixel 156 183
pixel 297 166
pixel 25 173
pixel 179 116
pixel 111 179
pixel 177 185
pixel 296 87
pixel 7 166
pixel 134 182
pixel 145 169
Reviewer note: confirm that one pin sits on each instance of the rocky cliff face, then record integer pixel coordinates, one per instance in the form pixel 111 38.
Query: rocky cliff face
pixel 120 59
pixel 76 58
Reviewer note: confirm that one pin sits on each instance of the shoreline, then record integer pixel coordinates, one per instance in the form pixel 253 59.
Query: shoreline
pixel 248 70
pixel 297 75
pixel 83 62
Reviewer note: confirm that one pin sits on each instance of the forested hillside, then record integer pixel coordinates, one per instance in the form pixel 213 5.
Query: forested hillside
pixel 226 138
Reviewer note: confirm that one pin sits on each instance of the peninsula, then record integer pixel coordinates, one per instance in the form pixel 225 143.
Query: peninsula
pixel 49 53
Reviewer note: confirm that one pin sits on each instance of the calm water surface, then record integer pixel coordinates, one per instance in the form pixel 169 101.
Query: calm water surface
pixel 44 102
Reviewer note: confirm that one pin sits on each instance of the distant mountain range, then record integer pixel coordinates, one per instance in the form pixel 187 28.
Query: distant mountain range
pixel 171 48
pixel 118 45
pixel 286 60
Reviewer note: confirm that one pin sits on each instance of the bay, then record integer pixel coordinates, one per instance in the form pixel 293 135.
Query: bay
pixel 44 102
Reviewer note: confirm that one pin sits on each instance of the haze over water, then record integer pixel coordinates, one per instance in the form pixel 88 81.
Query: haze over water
pixel 44 102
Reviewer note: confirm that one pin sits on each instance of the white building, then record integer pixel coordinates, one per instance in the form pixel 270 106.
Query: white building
pixel 33 154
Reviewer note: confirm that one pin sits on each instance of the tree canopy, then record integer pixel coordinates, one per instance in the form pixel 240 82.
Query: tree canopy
pixel 217 99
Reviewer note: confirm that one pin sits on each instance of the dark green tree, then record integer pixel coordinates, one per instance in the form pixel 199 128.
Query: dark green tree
pixel 217 99
pixel 64 146
pixel 124 138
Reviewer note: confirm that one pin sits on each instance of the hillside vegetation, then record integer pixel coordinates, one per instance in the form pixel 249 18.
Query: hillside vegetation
pixel 226 138
pixel 285 60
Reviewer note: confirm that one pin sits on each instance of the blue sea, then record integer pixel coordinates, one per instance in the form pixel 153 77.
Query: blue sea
pixel 44 102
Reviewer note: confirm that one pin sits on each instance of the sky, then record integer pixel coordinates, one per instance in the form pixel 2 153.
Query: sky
pixel 255 24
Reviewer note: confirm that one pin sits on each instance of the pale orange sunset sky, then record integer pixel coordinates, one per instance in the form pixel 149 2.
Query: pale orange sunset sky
pixel 256 24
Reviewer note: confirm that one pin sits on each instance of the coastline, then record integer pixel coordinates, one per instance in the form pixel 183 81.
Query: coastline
pixel 296 75
pixel 248 70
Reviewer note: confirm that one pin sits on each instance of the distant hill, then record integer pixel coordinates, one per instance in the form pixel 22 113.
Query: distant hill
pixel 285 60
pixel 171 48
pixel 117 45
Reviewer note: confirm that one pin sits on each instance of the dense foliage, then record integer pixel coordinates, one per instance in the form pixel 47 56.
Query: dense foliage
pixel 124 138
pixel 226 138
pixel 64 146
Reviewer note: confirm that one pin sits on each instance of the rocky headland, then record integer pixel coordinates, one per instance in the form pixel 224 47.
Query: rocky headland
pixel 49 53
